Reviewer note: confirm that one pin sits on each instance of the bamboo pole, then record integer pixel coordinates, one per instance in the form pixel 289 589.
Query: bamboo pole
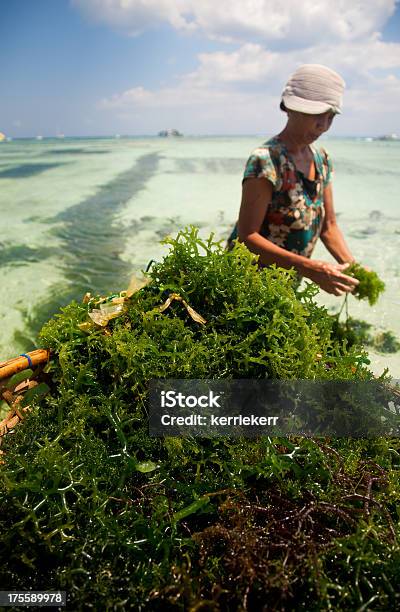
pixel 17 364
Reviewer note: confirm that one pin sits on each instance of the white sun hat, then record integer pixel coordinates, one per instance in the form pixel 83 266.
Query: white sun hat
pixel 314 89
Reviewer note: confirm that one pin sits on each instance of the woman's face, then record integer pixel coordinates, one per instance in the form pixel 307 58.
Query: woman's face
pixel 309 128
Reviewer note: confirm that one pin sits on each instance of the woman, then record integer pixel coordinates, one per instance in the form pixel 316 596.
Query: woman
pixel 287 200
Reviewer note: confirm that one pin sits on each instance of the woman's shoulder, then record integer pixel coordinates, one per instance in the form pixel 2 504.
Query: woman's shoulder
pixel 272 144
pixel 264 161
pixel 271 149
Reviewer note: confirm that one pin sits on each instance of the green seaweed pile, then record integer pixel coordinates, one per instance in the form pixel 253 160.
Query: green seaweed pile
pixel 92 505
pixel 370 285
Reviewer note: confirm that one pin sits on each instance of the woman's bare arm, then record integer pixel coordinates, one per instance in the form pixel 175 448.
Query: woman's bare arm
pixel 256 197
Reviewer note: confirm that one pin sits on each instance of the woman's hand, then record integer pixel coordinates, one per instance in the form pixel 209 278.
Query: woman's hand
pixel 330 277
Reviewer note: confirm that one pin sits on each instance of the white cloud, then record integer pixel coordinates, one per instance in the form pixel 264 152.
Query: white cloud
pixel 377 96
pixel 264 70
pixel 356 57
pixel 254 63
pixel 250 63
pixel 243 87
pixel 129 98
pixel 305 22
pixel 134 16
pixel 213 85
pixel 198 111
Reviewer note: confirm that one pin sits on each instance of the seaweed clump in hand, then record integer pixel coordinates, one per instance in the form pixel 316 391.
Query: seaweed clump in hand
pixel 370 285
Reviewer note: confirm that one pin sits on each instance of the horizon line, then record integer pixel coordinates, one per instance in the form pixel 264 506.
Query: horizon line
pixel 40 137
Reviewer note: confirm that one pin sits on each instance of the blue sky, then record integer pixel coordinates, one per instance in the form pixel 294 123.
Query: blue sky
pixel 101 67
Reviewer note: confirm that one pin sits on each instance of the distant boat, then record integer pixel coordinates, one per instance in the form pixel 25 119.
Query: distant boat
pixel 2 137
pixel 39 137
pixel 387 137
pixel 170 132
pixel 60 136
pixel 117 135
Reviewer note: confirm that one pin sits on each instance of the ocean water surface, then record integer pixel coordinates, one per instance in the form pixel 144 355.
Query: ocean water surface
pixel 84 215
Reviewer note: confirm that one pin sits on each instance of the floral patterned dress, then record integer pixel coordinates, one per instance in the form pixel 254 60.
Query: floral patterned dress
pixel 295 215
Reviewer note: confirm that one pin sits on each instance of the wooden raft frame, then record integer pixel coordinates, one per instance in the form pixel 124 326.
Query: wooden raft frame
pixel 14 394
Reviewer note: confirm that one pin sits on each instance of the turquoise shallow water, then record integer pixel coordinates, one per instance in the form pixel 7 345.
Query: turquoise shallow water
pixel 85 214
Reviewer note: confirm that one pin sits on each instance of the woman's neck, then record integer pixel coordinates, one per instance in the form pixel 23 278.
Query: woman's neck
pixel 293 143
pixel 300 152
